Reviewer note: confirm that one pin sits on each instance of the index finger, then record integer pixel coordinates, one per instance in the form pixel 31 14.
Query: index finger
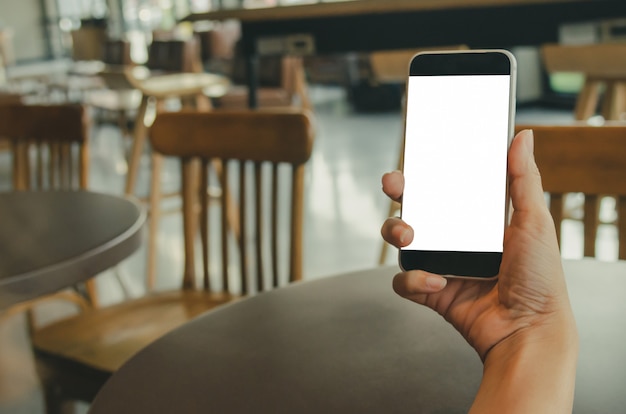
pixel 393 185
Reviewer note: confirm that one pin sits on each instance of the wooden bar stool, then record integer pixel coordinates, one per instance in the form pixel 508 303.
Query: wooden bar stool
pixel 194 90
pixel 604 65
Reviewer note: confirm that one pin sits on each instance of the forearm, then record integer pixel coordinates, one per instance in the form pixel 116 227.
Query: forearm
pixel 531 372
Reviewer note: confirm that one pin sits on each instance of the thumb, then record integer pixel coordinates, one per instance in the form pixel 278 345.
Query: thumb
pixel 524 179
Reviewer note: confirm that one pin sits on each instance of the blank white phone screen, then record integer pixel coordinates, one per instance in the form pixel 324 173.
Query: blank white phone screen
pixel 455 162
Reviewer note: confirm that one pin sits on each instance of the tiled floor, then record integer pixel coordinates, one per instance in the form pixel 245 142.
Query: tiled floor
pixel 343 213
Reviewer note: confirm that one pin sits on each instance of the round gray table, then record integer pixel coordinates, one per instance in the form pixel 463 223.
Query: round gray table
pixel 50 240
pixel 348 344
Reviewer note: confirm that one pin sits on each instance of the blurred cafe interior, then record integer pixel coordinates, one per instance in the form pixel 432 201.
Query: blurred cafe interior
pixel 141 103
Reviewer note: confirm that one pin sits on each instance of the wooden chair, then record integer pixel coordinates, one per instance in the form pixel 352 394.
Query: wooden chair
pixel 49 145
pixel 585 159
pixel 8 98
pixel 58 134
pixel 604 65
pixel 77 355
pixel 282 83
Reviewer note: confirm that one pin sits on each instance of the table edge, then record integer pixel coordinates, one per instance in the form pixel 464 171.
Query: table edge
pixel 117 249
pixel 349 8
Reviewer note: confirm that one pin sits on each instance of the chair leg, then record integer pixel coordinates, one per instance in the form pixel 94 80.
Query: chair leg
pixel 621 227
pixel 614 101
pixel 587 100
pixel 54 401
pixel 393 208
pixel 590 223
pixel 139 136
pixel 190 201
pixel 154 217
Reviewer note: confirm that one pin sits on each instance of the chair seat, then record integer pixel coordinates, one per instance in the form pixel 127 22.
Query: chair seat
pixel 114 100
pixel 237 97
pixel 106 338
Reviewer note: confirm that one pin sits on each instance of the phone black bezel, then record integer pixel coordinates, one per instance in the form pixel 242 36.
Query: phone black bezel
pixel 452 263
pixel 482 265
pixel 460 63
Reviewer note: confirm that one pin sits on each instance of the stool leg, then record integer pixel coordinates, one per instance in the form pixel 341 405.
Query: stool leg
pixel 590 223
pixel 393 208
pixel 154 216
pixel 614 101
pixel 139 136
pixel 190 184
pixel 587 100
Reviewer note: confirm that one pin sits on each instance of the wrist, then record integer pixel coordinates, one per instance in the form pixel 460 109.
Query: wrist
pixel 532 370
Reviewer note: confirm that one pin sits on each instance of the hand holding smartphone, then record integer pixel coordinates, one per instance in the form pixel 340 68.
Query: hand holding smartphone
pixel 459 125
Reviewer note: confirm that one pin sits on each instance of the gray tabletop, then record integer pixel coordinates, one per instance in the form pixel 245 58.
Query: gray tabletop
pixel 50 240
pixel 348 344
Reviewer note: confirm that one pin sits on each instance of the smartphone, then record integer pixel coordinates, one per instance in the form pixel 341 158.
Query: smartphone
pixel 458 128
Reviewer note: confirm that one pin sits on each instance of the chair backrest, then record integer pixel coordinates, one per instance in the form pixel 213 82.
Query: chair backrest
pixel 263 153
pixel 220 41
pixel 173 55
pixel 583 159
pixel 392 66
pixel 49 144
pixel 117 52
pixel 603 60
pixel 88 43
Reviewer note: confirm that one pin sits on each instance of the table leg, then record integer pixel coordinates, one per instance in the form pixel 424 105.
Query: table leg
pixel 252 74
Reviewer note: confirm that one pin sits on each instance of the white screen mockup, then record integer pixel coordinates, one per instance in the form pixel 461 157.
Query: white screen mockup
pixel 455 162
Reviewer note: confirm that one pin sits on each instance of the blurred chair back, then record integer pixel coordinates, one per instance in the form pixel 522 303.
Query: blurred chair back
pixel 260 149
pixel 392 66
pixel 172 55
pixel 117 53
pixel 219 42
pixel 603 65
pixel 583 159
pixel 49 142
pixel 88 43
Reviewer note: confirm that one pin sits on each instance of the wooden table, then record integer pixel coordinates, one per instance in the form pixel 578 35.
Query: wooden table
pixel 54 239
pixel 348 344
pixel 369 25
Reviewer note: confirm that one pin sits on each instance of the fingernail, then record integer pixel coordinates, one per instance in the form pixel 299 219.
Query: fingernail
pixel 404 236
pixel 435 282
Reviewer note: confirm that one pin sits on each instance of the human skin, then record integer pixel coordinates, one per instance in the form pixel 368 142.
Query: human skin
pixel 521 324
